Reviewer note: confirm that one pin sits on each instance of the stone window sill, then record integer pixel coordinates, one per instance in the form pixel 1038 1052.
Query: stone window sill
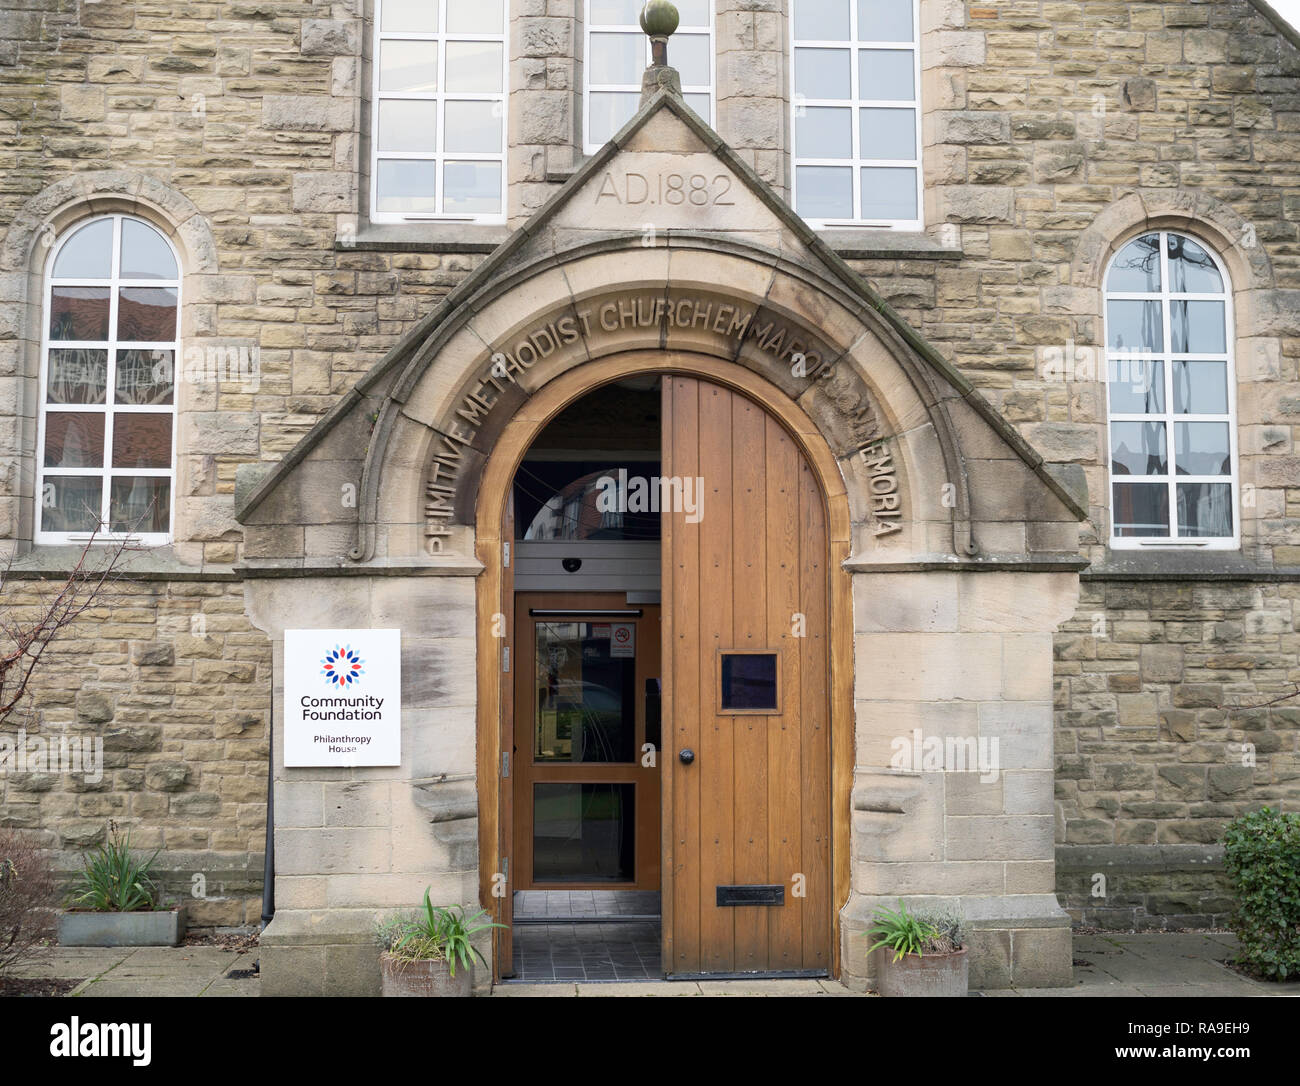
pixel 1176 565
pixel 424 237
pixel 867 244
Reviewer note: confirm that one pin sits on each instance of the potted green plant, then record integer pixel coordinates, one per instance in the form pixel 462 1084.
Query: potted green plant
pixel 429 953
pixel 928 954
pixel 115 901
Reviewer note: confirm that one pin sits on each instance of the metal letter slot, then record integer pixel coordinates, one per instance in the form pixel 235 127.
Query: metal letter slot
pixel 751 895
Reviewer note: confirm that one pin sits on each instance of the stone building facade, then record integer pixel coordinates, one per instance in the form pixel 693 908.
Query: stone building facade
pixel 1052 135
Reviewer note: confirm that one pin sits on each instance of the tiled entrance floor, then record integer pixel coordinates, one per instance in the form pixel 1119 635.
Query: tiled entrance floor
pixel 534 905
pixel 586 935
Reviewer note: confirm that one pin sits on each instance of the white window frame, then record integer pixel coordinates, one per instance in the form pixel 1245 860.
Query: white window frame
pixel 589 28
pixel 1169 417
pixel 854 103
pixel 438 156
pixel 108 408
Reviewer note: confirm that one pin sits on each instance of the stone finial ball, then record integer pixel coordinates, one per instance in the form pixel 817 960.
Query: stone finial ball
pixel 659 18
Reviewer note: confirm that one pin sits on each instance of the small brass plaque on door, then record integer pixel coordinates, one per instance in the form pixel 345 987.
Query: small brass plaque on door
pixel 751 895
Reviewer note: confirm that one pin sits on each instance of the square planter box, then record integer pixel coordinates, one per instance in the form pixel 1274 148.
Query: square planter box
pixel 928 975
pixel 162 928
pixel 423 978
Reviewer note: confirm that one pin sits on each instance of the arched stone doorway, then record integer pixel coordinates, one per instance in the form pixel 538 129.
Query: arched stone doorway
pixel 957 545
pixel 807 626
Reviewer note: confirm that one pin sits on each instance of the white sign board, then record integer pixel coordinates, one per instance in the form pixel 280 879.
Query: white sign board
pixel 342 697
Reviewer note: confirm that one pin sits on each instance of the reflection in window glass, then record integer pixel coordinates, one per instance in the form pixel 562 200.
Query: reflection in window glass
pixel 1201 388
pixel 584 832
pixel 88 254
pixel 1170 416
pixel 1137 387
pixel 107 415
pixel 1205 509
pixel 585 696
pixel 847 61
pixel 1137 267
pixel 440 93
pixel 1138 448
pixel 1197 327
pixel 1141 509
pixel 748 681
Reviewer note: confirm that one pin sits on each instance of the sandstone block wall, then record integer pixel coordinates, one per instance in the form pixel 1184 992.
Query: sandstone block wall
pixel 175 683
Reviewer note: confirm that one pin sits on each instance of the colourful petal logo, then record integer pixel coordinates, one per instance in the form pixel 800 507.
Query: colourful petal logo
pixel 342 666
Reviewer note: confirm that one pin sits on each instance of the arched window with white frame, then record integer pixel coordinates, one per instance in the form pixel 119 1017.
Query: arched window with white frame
pixel 1171 395
pixel 107 420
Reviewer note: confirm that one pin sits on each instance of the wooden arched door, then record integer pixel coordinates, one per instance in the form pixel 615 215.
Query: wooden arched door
pixel 746 724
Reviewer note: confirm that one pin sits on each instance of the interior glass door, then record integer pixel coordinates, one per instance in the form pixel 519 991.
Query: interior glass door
pixel 586 743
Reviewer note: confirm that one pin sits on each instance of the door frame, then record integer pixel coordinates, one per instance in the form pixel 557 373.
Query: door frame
pixel 494 606
pixel 647 854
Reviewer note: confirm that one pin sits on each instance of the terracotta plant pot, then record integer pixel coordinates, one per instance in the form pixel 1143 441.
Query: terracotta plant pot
pixel 423 978
pixel 925 975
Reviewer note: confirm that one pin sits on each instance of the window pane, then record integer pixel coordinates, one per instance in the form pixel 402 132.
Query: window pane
pixel 690 56
pixel 884 20
pixel 473 66
pixel 1141 509
pixel 825 192
pixel 74 439
pixel 139 504
pixel 471 126
pixel 585 695
pixel 613 12
pixel 410 66
pixel 1201 448
pixel 888 193
pixel 822 73
pixel 1205 509
pixel 1191 268
pixel 749 680
pixel 144 377
pixel 409 125
pixel 88 254
pixel 411 16
pixel 1137 268
pixel 1134 326
pixel 76 376
pixel 691 13
pixel 886 75
pixel 701 104
pixel 824 132
pixel 1201 388
pixel 474 16
pixel 1137 387
pixel 407 186
pixel 71 503
pixel 145 254
pixel 821 20
pixel 471 186
pixel 142 439
pixel 616 58
pixel 79 313
pixel 887 133
pixel 1197 326
pixel 146 314
pixel 1138 448
pixel 584 832
pixel 608 111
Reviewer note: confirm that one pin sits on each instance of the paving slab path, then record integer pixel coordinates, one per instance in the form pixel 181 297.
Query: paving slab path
pixel 1154 964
